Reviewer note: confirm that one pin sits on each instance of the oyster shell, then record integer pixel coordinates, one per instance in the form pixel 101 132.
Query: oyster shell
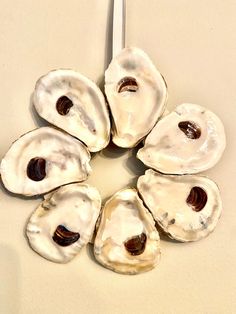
pixel 136 93
pixel 75 104
pixel 127 241
pixel 42 160
pixel 191 139
pixel 64 222
pixel 186 207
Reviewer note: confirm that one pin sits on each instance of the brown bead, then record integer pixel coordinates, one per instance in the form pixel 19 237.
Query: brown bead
pixel 136 245
pixel 190 129
pixel 65 237
pixel 63 105
pixel 36 169
pixel 197 198
pixel 127 84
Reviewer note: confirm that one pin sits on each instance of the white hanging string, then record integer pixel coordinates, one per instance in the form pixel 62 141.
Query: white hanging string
pixel 118 36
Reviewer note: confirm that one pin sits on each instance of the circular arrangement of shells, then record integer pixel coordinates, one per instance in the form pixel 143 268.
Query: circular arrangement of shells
pixel 53 161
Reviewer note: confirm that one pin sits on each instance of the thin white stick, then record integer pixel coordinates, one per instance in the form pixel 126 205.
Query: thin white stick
pixel 118 36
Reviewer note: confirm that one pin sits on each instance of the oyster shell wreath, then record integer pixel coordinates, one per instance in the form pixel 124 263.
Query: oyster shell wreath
pixel 54 161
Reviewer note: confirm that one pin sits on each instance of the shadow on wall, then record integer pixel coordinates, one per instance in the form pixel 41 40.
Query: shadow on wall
pixel 112 151
pixel 108 44
pixel 10 280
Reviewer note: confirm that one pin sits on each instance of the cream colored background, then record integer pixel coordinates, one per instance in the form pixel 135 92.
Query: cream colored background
pixel 193 44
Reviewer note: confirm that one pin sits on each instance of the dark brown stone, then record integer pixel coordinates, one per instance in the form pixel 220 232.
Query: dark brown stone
pixel 65 237
pixel 127 84
pixel 36 169
pixel 136 245
pixel 190 129
pixel 197 198
pixel 63 105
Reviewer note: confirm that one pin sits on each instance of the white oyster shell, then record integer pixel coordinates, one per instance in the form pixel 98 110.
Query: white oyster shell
pixel 67 160
pixel 134 113
pixel 74 206
pixel 124 217
pixel 87 119
pixel 168 149
pixel 166 197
